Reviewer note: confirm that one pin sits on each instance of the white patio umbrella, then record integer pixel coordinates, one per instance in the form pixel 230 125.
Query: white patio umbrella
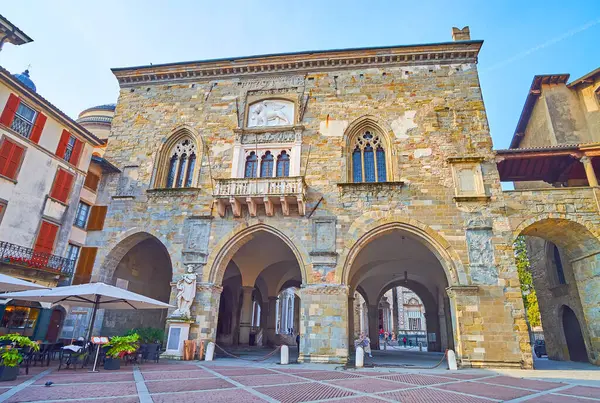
pixel 92 295
pixel 9 284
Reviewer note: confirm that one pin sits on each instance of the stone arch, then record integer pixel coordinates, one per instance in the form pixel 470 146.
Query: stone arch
pixel 177 135
pixel 229 245
pixel 375 224
pixel 358 127
pixel 119 249
pixel 584 238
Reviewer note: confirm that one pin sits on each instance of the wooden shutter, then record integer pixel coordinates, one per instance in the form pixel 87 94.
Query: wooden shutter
pixel 8 114
pixel 38 126
pixel 46 237
pixel 91 181
pixel 97 217
pixel 10 158
pixel 62 185
pixel 83 273
pixel 76 152
pixel 62 144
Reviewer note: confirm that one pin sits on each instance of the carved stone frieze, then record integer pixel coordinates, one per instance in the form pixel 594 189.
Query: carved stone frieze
pixel 287 136
pixel 272 82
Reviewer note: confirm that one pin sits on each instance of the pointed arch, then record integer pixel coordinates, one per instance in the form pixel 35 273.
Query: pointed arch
pixel 369 151
pixel 176 164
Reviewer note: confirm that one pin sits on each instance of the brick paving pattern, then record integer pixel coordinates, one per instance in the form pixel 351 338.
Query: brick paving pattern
pixel 214 383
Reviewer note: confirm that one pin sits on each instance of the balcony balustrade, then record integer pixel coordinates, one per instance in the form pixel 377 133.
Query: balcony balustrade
pixel 285 191
pixel 26 257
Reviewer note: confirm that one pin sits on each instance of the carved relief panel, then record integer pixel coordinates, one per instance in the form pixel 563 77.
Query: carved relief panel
pixel 273 112
pixel 481 252
pixel 323 254
pixel 196 231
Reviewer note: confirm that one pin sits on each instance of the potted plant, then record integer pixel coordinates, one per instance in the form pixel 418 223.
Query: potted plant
pixel 10 357
pixel 118 347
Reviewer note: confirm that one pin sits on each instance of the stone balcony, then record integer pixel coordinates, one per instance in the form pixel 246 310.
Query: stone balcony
pixel 286 192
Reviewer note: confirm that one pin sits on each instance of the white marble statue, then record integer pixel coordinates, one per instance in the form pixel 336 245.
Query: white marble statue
pixel 269 114
pixel 186 291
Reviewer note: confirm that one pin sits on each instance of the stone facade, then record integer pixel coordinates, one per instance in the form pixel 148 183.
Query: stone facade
pixel 436 196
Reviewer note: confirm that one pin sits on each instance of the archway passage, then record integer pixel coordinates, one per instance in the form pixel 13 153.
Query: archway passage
pixel 393 261
pixel 573 336
pixel 255 282
pixel 563 258
pixel 144 269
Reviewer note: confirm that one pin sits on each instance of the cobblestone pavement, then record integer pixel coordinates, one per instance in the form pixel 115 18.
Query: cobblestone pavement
pixel 229 381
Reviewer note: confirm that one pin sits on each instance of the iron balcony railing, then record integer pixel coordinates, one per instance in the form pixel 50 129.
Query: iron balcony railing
pixel 260 186
pixel 22 126
pixel 27 257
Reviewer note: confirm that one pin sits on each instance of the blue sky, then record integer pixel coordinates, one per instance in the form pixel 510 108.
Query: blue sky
pixel 77 42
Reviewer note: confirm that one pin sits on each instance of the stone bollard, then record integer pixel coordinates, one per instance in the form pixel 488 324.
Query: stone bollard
pixel 360 357
pixel 452 361
pixel 210 351
pixel 285 355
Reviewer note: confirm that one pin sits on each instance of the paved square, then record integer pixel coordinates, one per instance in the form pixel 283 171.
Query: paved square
pixel 486 390
pixel 370 385
pixel 215 382
pixel 303 392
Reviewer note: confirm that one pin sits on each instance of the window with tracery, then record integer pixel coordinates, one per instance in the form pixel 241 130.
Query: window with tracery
pixel 251 165
pixel 368 158
pixel 266 165
pixel 283 164
pixel 182 161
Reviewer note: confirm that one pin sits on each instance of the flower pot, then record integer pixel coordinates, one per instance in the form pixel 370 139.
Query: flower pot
pixel 112 364
pixel 8 373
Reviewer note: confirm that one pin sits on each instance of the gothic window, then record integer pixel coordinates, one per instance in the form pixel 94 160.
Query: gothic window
pixel 190 170
pixel 177 164
pixel 251 164
pixel 283 164
pixel 266 165
pixel 560 272
pixel 368 158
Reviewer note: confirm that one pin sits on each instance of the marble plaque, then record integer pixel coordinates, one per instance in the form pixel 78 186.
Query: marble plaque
pixel 174 336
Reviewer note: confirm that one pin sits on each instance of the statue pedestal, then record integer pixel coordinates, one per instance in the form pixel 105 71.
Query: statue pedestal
pixel 179 331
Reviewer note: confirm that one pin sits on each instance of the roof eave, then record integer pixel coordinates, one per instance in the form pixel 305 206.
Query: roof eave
pixel 47 106
pixel 15 30
pixel 532 96
pixel 282 63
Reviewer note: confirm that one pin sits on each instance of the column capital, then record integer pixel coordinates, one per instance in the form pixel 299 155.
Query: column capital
pixel 585 159
pixel 247 289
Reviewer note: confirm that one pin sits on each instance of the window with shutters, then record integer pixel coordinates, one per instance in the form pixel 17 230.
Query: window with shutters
pixel 23 120
pixel 83 273
pixel 69 148
pixel 72 252
pixel 81 216
pixel 11 157
pixel 3 205
pixel 97 217
pixel 61 188
pixel 46 237
pixel 91 181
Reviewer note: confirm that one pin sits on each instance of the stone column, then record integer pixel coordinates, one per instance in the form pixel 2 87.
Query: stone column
pixel 443 335
pixel 373 313
pixel 246 316
pixel 589 171
pixel 395 326
pixel 271 320
pixel 491 330
pixel 205 313
pixel 324 323
pixel 351 321
pixel 296 324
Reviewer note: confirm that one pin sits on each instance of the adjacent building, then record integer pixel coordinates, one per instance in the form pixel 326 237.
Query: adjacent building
pixel 556 150
pixel 44 158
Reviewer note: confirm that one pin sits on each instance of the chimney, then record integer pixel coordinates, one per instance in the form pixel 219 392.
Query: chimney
pixel 461 34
